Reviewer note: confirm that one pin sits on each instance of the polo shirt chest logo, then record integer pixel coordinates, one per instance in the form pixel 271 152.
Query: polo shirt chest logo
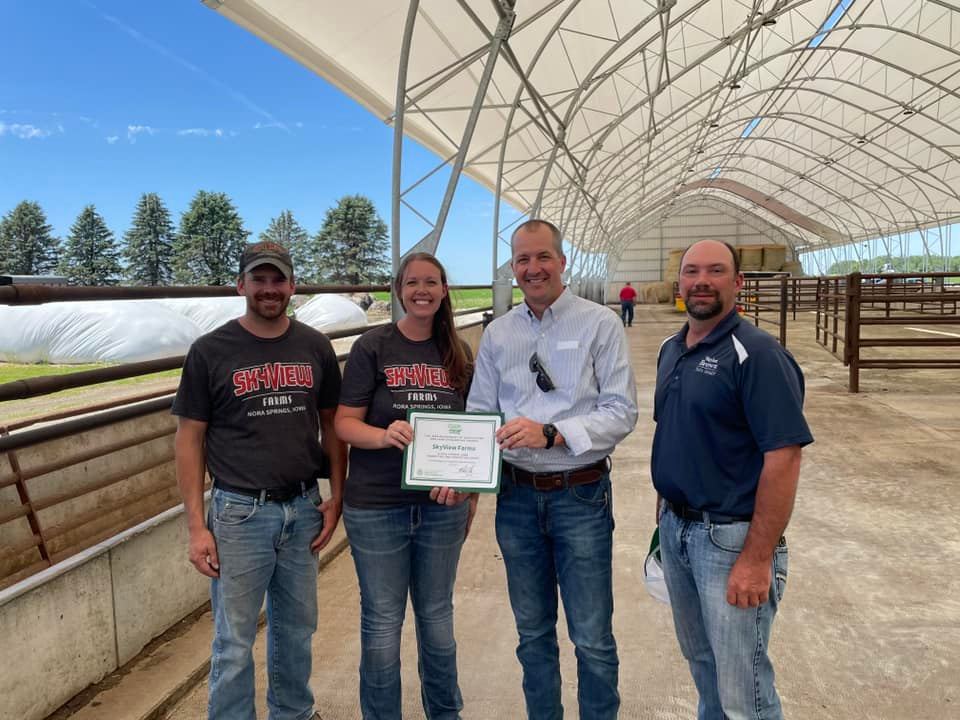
pixel 708 365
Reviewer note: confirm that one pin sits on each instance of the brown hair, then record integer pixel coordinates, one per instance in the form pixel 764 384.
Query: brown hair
pixel 459 367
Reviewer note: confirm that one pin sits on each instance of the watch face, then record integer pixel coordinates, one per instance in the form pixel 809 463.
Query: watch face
pixel 549 430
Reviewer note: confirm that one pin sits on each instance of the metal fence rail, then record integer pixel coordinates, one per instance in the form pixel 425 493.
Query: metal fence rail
pixel 846 305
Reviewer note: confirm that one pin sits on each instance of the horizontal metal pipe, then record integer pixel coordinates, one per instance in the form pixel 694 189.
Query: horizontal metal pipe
pixel 37 294
pixel 911 320
pixel 46 384
pixel 932 364
pixel 105 482
pixel 78 521
pixel 910 342
pixel 73 412
pixel 25 438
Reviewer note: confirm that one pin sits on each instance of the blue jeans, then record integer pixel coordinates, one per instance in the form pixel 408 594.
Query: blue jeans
pixel 412 549
pixel 726 646
pixel 561 537
pixel 263 548
pixel 626 312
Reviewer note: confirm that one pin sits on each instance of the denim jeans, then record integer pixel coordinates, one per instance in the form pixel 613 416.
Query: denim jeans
pixel 726 646
pixel 263 548
pixel 412 549
pixel 626 312
pixel 561 537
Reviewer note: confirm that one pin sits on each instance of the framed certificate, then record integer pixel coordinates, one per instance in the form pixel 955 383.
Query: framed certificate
pixel 453 449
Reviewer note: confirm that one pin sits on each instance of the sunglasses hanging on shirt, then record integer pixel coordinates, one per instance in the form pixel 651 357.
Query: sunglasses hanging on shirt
pixel 543 379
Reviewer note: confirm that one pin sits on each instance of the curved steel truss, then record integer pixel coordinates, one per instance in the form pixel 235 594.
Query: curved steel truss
pixel 835 121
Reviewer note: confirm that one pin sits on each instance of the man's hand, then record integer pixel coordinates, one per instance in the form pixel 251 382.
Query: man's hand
pixel 521 432
pixel 749 582
pixel 330 509
pixel 203 552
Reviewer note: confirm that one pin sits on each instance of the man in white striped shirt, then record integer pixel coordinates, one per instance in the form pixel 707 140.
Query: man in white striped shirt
pixel 558 368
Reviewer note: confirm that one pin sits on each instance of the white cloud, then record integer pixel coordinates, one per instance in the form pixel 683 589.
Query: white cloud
pixel 134 130
pixel 112 139
pixel 201 132
pixel 23 131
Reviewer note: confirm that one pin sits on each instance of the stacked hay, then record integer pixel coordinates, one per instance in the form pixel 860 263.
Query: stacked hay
pixel 793 267
pixel 672 267
pixel 751 257
pixel 774 256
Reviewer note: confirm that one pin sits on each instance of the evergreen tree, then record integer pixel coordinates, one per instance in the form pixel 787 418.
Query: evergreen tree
pixel 27 244
pixel 91 256
pixel 209 243
pixel 149 243
pixel 284 229
pixel 352 246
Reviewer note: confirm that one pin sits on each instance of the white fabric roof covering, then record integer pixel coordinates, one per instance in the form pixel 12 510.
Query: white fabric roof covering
pixel 630 94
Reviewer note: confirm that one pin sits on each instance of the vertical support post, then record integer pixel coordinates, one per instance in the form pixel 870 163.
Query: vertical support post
pixel 783 312
pixel 836 312
pixel 396 189
pixel 852 332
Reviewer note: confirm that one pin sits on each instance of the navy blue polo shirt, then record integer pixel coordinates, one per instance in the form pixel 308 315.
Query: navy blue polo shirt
pixel 718 407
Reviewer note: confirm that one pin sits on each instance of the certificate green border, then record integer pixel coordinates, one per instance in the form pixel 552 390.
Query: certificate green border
pixel 495 469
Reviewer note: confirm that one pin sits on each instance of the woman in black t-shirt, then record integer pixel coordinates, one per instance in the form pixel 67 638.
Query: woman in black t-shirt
pixel 404 541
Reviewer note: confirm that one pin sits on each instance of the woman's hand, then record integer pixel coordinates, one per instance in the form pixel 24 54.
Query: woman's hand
pixel 449 496
pixel 397 434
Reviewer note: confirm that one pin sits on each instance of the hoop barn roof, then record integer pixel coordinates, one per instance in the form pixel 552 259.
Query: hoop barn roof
pixel 835 120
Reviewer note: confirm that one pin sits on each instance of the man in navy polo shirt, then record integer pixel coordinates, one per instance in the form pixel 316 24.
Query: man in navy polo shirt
pixel 726 461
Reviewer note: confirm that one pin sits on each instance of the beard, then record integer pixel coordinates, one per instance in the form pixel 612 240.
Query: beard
pixel 257 305
pixel 701 311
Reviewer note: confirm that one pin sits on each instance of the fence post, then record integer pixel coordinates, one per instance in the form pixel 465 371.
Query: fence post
pixel 783 312
pixel 851 347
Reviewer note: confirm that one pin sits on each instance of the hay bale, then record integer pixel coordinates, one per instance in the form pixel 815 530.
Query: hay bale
pixel 650 294
pixel 751 258
pixel 774 256
pixel 664 291
pixel 793 267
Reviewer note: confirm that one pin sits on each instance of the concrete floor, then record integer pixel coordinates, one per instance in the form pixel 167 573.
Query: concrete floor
pixel 870 623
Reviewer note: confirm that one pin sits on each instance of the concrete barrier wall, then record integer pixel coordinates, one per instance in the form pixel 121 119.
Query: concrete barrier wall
pixel 67 627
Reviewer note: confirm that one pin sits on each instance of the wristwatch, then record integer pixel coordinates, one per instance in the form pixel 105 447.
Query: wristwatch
pixel 550 433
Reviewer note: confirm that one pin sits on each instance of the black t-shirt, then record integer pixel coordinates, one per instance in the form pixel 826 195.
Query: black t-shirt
pixel 389 374
pixel 260 398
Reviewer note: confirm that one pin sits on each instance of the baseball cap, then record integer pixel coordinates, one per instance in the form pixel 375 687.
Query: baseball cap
pixel 653 571
pixel 266 253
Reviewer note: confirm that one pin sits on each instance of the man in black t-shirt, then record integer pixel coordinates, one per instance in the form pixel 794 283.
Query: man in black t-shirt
pixel 255 407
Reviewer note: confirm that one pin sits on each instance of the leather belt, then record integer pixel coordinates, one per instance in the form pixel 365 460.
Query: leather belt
pixel 280 494
pixel 685 512
pixel 560 478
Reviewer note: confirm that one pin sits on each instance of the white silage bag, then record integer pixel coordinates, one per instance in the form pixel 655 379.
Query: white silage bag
pixel 329 312
pixel 207 313
pixel 94 331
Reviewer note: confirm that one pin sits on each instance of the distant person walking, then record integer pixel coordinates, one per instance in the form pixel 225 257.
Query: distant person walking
pixel 628 298
pixel 405 542
pixel 726 463
pixel 254 397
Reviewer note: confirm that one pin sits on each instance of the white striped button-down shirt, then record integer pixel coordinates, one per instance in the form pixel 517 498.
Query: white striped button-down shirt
pixel 583 349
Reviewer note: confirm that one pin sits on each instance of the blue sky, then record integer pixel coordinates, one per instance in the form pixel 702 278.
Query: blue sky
pixel 101 101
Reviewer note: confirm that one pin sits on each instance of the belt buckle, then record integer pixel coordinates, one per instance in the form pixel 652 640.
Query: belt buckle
pixel 553 485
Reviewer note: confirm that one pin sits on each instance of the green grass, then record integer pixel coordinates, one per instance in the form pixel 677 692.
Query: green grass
pixel 9 372
pixel 464 299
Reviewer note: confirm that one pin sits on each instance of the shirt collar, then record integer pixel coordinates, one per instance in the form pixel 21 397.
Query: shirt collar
pixel 721 330
pixel 554 309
